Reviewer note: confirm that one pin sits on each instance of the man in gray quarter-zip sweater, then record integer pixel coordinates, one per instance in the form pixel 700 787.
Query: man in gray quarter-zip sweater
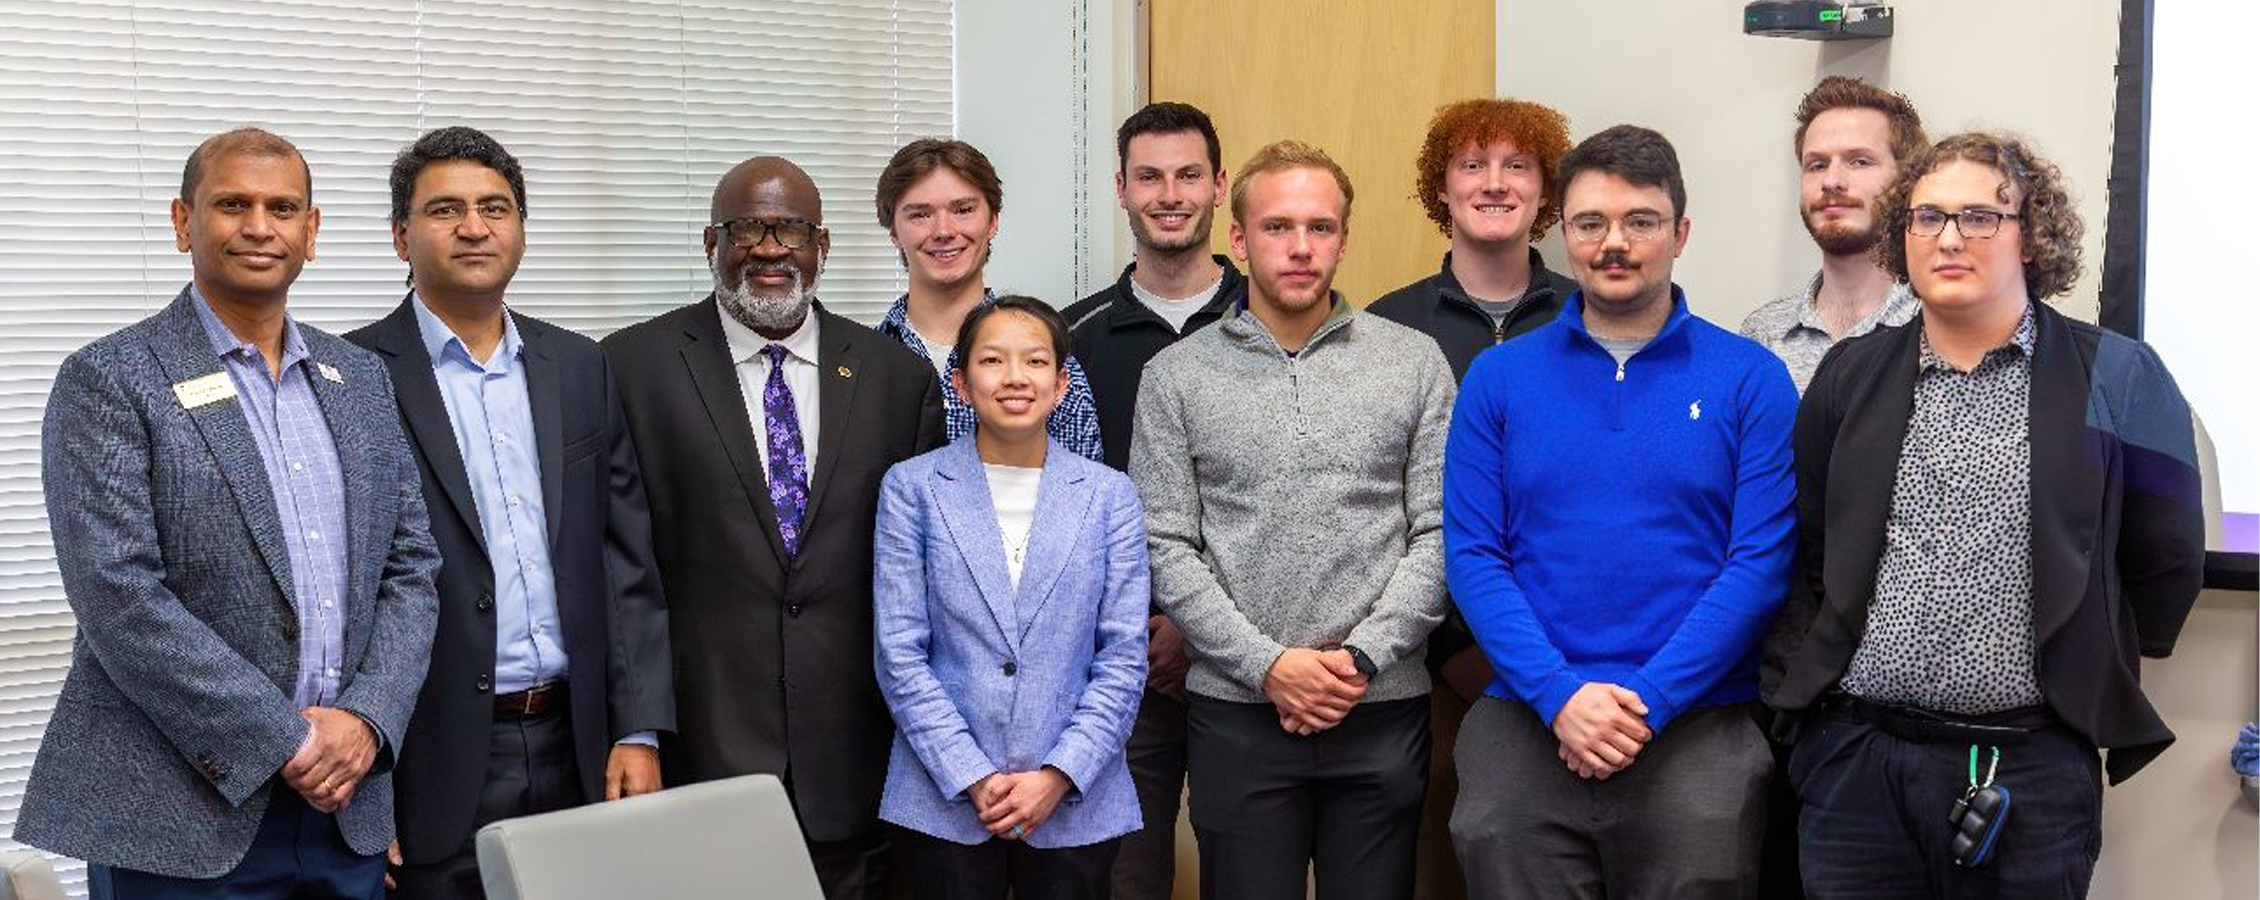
pixel 1290 463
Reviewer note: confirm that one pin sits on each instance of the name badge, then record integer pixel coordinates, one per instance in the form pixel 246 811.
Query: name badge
pixel 204 391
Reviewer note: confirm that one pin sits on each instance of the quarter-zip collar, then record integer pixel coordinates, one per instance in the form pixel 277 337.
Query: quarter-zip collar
pixel 1127 312
pixel 1573 317
pixel 1245 327
pixel 1534 294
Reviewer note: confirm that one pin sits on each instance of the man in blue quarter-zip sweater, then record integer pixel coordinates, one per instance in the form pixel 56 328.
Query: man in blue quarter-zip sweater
pixel 1618 530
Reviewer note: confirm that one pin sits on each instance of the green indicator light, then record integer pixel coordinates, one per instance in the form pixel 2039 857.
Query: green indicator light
pixel 1832 15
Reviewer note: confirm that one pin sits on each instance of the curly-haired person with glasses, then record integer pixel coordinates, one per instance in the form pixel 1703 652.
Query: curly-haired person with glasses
pixel 2000 514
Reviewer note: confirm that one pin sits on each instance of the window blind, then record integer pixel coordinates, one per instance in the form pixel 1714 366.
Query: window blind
pixel 624 113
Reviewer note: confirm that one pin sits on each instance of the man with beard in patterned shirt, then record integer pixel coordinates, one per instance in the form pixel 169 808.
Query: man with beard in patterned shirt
pixel 1851 138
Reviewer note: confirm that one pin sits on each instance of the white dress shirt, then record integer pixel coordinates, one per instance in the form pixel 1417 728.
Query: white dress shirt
pixel 801 377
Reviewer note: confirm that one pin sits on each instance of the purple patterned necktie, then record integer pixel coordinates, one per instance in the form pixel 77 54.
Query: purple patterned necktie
pixel 788 464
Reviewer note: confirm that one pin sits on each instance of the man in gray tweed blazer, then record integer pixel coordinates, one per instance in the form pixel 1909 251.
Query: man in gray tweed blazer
pixel 240 532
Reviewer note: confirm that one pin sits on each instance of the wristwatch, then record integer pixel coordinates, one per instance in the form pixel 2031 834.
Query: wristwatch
pixel 1363 662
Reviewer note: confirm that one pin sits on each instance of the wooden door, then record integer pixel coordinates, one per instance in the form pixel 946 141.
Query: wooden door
pixel 1357 78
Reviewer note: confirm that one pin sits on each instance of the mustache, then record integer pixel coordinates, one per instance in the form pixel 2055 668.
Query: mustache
pixel 1614 258
pixel 1833 198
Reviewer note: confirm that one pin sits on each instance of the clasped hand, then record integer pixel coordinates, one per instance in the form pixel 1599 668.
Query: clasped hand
pixel 1011 805
pixel 1313 690
pixel 1602 727
pixel 338 750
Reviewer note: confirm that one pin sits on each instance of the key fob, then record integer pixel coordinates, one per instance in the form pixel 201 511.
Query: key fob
pixel 1978 830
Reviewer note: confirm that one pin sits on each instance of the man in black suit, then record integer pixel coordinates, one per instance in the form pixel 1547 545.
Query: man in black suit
pixel 764 534
pixel 550 674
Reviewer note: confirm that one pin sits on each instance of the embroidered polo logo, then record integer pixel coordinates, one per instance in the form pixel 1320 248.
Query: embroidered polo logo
pixel 1695 410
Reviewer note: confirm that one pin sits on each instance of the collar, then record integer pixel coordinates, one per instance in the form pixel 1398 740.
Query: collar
pixel 1573 317
pixel 2020 343
pixel 746 343
pixel 1898 306
pixel 439 339
pixel 1228 279
pixel 1248 325
pixel 1538 286
pixel 897 322
pixel 226 344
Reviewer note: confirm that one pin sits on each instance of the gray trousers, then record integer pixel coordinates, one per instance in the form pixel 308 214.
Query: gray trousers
pixel 1684 822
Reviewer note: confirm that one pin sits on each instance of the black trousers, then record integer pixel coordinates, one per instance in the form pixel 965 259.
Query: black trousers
pixel 530 769
pixel 1875 807
pixel 1777 865
pixel 1147 866
pixel 297 854
pixel 855 867
pixel 1344 803
pixel 1683 822
pixel 947 870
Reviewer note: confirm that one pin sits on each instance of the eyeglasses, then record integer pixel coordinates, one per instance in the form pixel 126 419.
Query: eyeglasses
pixel 1930 221
pixel 1638 227
pixel 792 234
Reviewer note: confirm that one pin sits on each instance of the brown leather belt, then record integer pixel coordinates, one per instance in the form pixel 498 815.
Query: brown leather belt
pixel 530 702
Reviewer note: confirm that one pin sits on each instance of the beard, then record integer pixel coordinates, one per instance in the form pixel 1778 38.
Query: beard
pixel 1195 236
pixel 761 313
pixel 1841 240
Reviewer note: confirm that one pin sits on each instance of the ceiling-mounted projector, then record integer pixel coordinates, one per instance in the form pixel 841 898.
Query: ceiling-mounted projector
pixel 1816 20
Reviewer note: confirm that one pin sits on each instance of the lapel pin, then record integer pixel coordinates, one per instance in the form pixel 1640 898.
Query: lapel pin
pixel 846 372
pixel 330 372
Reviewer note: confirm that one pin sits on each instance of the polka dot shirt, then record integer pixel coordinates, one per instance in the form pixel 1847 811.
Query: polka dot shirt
pixel 1950 628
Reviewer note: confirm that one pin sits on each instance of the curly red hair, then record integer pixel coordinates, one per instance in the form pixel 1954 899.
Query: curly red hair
pixel 1534 128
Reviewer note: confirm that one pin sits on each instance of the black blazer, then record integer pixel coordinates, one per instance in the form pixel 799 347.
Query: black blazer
pixel 608 596
pixel 773 658
pixel 2118 536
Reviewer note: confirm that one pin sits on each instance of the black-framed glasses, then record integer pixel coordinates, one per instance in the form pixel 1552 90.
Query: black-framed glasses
pixel 792 234
pixel 1975 224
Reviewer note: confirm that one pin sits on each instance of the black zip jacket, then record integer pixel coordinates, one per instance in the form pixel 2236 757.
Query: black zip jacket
pixel 1439 308
pixel 1114 335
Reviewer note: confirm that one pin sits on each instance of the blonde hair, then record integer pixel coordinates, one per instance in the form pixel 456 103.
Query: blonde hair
pixel 1280 156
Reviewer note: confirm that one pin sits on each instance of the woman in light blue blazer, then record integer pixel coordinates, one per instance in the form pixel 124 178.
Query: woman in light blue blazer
pixel 1010 583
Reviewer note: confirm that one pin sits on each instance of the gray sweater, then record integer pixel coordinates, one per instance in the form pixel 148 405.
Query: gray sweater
pixel 1296 501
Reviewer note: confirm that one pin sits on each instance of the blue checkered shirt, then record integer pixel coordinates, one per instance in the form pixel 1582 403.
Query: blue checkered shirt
pixel 300 459
pixel 1075 424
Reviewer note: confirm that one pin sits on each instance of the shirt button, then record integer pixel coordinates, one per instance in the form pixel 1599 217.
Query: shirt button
pixel 298 467
pixel 314 535
pixel 513 499
pixel 483 683
pixel 501 438
pixel 333 671
pixel 1011 669
pixel 327 604
pixel 486 602
pixel 793 611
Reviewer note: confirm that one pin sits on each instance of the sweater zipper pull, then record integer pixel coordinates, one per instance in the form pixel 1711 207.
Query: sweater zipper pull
pixel 1620 371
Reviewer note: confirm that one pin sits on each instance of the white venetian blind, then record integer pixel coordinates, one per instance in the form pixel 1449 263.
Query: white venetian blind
pixel 624 113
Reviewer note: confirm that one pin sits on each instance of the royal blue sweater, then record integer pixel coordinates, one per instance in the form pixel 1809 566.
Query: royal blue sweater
pixel 1628 524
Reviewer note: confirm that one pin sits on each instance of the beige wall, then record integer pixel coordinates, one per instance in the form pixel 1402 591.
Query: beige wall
pixel 2179 829
pixel 1725 100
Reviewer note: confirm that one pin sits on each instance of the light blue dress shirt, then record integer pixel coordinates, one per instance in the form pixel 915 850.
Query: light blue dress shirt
pixel 300 458
pixel 493 417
